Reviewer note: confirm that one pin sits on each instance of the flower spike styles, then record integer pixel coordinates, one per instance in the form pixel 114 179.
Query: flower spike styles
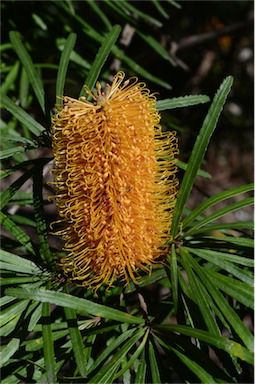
pixel 116 185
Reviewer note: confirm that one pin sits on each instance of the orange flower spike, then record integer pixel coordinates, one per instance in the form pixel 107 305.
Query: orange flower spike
pixel 116 184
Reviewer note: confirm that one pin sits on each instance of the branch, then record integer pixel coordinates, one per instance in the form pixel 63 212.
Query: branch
pixel 190 41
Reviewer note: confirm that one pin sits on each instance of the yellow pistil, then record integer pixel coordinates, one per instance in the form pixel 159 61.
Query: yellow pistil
pixel 115 183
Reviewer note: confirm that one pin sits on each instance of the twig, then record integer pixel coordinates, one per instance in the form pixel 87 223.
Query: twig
pixel 190 41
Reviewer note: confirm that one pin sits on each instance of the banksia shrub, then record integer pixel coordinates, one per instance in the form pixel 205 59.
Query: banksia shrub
pixel 115 179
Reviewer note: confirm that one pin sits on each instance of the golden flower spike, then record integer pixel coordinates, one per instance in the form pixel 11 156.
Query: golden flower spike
pixel 116 185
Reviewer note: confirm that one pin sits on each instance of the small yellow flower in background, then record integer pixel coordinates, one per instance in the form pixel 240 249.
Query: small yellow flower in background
pixel 116 185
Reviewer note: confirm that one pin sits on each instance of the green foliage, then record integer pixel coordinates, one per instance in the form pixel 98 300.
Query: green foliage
pixel 57 333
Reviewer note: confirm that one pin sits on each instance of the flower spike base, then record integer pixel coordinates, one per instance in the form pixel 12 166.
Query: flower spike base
pixel 116 185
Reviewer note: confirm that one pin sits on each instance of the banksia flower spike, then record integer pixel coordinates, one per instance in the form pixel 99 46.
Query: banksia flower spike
pixel 115 183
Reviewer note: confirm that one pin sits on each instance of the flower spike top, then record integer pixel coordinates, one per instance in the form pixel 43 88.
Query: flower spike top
pixel 115 180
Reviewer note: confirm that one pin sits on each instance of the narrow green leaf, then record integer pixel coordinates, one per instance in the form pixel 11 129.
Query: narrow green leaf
pixel 174 3
pixel 200 172
pixel 229 313
pixel 30 308
pixel 24 91
pixel 48 347
pixel 11 379
pixel 37 343
pixel 20 370
pixel 187 291
pixel 193 353
pixel 199 295
pixel 79 60
pixel 35 317
pixel 10 78
pixel 110 348
pixel 144 280
pixel 89 342
pixel 199 371
pixel 81 305
pixel 228 257
pixel 8 351
pixel 107 372
pixel 63 66
pixel 12 262
pixel 160 9
pixel 39 21
pixel 106 375
pixel 18 280
pixel 240 241
pixel 234 288
pixel 181 102
pixel 185 288
pixel 8 328
pixel 21 198
pixel 6 172
pixel 120 11
pixel 212 256
pixel 97 9
pixel 20 140
pixel 247 225
pixel 101 57
pixel 5 46
pixel 138 69
pixel 26 60
pixel 45 252
pixel 135 355
pixel 211 201
pixel 88 30
pixel 17 232
pixel 77 342
pixel 10 152
pixel 172 263
pixel 18 219
pixel 6 300
pixel 43 376
pixel 199 150
pixel 136 11
pixel 220 213
pixel 220 342
pixel 5 266
pixel 88 325
pixel 153 365
pixel 103 327
pixel 157 47
pixel 35 127
pixel 10 316
pixel 13 311
pixel 141 371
